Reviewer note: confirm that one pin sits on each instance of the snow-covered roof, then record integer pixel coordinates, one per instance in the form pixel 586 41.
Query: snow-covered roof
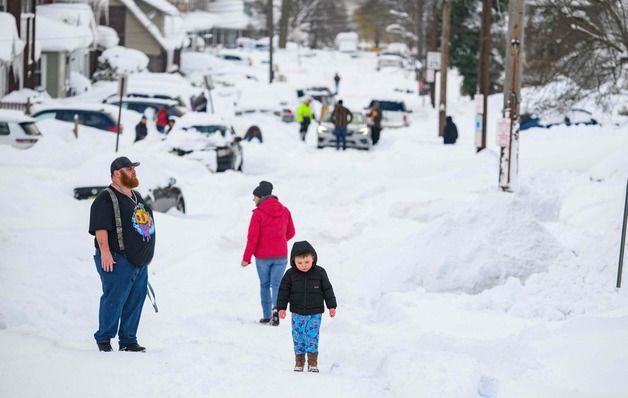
pixel 229 14
pixel 107 37
pixel 65 26
pixel 173 36
pixel 222 14
pixel 11 46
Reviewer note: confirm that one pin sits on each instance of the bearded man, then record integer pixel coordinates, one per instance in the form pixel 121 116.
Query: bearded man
pixel 124 231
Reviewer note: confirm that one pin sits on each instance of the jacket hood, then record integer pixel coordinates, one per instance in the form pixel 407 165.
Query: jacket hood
pixel 271 206
pixel 302 247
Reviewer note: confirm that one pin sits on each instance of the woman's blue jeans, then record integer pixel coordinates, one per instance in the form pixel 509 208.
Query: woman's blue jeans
pixel 270 272
pixel 123 295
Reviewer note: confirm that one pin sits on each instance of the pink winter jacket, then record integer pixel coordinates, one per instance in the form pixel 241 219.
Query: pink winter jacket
pixel 270 230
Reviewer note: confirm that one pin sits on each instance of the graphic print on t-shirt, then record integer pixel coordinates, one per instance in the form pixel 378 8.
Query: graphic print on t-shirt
pixel 143 222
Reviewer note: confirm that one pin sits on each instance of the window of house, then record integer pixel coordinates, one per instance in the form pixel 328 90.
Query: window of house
pixel 3 5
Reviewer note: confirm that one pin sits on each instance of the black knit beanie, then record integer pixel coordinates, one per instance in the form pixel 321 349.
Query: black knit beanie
pixel 264 188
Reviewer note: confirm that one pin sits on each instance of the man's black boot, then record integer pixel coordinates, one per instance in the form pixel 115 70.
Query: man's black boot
pixel 132 347
pixel 105 347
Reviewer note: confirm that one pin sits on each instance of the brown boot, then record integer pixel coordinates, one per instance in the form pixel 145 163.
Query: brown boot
pixel 299 362
pixel 312 362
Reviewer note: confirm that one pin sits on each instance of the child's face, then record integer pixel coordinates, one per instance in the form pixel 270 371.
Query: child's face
pixel 304 263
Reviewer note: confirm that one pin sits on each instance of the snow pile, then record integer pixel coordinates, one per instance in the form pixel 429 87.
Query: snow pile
pixel 79 84
pixel 496 237
pixel 107 37
pixel 36 97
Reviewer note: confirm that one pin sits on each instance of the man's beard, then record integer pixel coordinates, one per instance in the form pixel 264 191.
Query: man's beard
pixel 128 181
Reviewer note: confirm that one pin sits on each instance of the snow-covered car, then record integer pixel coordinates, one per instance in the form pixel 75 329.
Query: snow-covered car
pixel 396 48
pixel 207 138
pixel 18 130
pixel 275 100
pixel 141 104
pixel 100 116
pixel 574 117
pixel 236 58
pixel 321 94
pixel 390 60
pixel 394 113
pixel 159 199
pixel 358 132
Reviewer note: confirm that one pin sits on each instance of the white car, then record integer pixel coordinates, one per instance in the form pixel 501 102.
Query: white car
pixel 18 130
pixel 394 113
pixel 389 60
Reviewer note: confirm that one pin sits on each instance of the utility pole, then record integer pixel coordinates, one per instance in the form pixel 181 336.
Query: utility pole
pixel 485 49
pixel 509 142
pixel 444 51
pixel 270 24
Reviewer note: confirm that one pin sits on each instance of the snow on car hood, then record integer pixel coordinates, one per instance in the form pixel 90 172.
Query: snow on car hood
pixel 192 140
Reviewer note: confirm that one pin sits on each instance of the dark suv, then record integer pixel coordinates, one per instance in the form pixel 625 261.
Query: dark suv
pixel 101 119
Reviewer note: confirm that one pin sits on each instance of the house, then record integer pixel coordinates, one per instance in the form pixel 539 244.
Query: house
pixel 10 53
pixel 67 35
pixel 154 27
pixel 222 22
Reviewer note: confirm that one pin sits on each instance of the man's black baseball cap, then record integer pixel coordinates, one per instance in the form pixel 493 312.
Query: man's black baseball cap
pixel 122 162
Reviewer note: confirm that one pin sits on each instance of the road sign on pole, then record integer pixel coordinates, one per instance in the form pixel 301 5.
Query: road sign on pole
pixel 433 60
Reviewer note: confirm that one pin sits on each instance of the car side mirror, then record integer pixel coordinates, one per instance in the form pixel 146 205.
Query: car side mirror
pixel 237 139
pixel 172 181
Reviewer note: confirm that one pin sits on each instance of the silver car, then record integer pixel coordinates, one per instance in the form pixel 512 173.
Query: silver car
pixel 358 132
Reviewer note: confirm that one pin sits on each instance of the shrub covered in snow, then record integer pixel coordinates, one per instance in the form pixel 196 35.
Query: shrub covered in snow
pixel 119 60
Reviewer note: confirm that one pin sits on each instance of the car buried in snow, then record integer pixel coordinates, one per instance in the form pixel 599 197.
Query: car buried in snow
pixel 18 130
pixel 358 133
pixel 206 138
pixel 159 198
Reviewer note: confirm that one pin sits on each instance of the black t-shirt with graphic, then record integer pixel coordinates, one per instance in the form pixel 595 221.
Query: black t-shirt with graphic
pixel 138 226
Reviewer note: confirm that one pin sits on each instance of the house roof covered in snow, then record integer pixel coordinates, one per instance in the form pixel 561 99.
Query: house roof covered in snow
pixel 11 46
pixel 65 26
pixel 222 14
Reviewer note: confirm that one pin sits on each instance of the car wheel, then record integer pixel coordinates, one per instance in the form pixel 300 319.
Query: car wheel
pixel 181 204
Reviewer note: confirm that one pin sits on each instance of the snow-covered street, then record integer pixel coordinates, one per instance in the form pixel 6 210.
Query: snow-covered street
pixel 446 287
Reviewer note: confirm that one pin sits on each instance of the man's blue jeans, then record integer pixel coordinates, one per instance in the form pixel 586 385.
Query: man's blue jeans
pixel 270 272
pixel 123 295
pixel 341 135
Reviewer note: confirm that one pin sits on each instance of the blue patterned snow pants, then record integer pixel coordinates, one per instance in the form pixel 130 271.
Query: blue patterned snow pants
pixel 305 332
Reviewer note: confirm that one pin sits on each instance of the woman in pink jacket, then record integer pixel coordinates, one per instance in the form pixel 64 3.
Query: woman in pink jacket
pixel 270 230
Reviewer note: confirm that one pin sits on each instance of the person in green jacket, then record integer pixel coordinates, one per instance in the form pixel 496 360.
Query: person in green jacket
pixel 304 116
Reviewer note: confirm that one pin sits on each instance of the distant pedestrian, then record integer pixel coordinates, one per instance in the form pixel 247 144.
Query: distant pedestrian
pixel 341 117
pixel 125 243
pixel 450 133
pixel 170 126
pixel 307 288
pixel 304 116
pixel 270 229
pixel 253 132
pixel 337 81
pixel 140 129
pixel 162 119
pixel 376 122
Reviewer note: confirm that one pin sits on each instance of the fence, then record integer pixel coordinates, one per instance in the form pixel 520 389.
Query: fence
pixel 18 106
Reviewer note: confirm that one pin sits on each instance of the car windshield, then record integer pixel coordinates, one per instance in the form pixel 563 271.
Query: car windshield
pixel 358 118
pixel 390 106
pixel 211 129
pixel 30 128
